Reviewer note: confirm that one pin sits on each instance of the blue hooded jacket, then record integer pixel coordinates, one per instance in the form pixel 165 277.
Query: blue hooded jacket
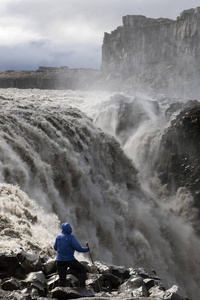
pixel 65 244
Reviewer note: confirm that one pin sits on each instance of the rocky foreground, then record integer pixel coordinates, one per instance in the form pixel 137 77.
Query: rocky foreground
pixel 26 276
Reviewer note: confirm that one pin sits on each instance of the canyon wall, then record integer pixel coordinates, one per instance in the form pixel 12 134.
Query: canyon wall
pixel 159 55
pixel 50 78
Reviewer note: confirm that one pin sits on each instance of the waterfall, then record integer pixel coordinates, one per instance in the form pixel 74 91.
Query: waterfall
pixel 77 157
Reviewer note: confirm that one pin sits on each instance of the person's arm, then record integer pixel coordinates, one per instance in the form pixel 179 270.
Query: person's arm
pixel 55 245
pixel 76 246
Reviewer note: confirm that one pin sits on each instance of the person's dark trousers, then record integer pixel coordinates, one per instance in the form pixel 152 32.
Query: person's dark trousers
pixel 74 265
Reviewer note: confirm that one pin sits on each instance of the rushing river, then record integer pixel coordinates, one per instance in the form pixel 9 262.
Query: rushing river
pixel 68 156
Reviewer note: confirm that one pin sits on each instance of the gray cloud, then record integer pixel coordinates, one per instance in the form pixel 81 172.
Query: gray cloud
pixel 55 33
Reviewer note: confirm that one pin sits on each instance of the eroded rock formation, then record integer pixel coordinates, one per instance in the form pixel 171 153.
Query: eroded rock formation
pixel 179 162
pixel 154 54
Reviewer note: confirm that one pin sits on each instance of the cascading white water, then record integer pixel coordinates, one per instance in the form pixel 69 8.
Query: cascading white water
pixel 23 223
pixel 72 169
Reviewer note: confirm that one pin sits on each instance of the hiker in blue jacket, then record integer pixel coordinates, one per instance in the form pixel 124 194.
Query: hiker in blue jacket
pixel 65 245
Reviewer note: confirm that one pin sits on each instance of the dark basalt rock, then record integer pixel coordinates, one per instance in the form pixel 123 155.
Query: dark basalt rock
pixel 49 78
pixel 155 55
pixel 131 284
pixel 29 262
pixel 49 266
pixel 70 293
pixel 172 293
pixel 11 284
pixel 179 160
pixel 96 281
pixel 8 263
pixel 114 281
pixel 37 280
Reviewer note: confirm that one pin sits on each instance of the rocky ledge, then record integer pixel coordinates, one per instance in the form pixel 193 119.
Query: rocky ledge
pixel 26 276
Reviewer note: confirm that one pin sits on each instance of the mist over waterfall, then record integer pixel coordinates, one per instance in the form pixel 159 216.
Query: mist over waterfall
pixel 88 158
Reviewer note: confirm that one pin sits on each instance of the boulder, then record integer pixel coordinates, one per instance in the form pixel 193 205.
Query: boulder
pixel 131 284
pixel 173 293
pixel 18 295
pixel 99 267
pixel 176 293
pixel 72 281
pixel 11 284
pixel 149 283
pixel 140 292
pixel 8 263
pixel 144 273
pixel 157 291
pixel 52 281
pixel 95 281
pixel 111 280
pixel 120 271
pixel 30 262
pixel 37 280
pixel 134 287
pixel 49 266
pixel 70 293
pixel 33 292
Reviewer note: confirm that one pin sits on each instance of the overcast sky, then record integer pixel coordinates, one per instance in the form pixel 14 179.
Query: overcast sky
pixel 69 33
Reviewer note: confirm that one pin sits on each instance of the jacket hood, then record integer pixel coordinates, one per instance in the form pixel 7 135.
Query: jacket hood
pixel 66 228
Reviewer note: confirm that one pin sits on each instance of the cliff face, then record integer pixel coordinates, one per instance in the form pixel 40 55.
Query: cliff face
pixel 49 78
pixel 154 52
pixel 179 162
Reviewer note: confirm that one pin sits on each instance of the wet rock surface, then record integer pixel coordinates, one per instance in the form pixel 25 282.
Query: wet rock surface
pixel 179 160
pixel 130 113
pixel 104 281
